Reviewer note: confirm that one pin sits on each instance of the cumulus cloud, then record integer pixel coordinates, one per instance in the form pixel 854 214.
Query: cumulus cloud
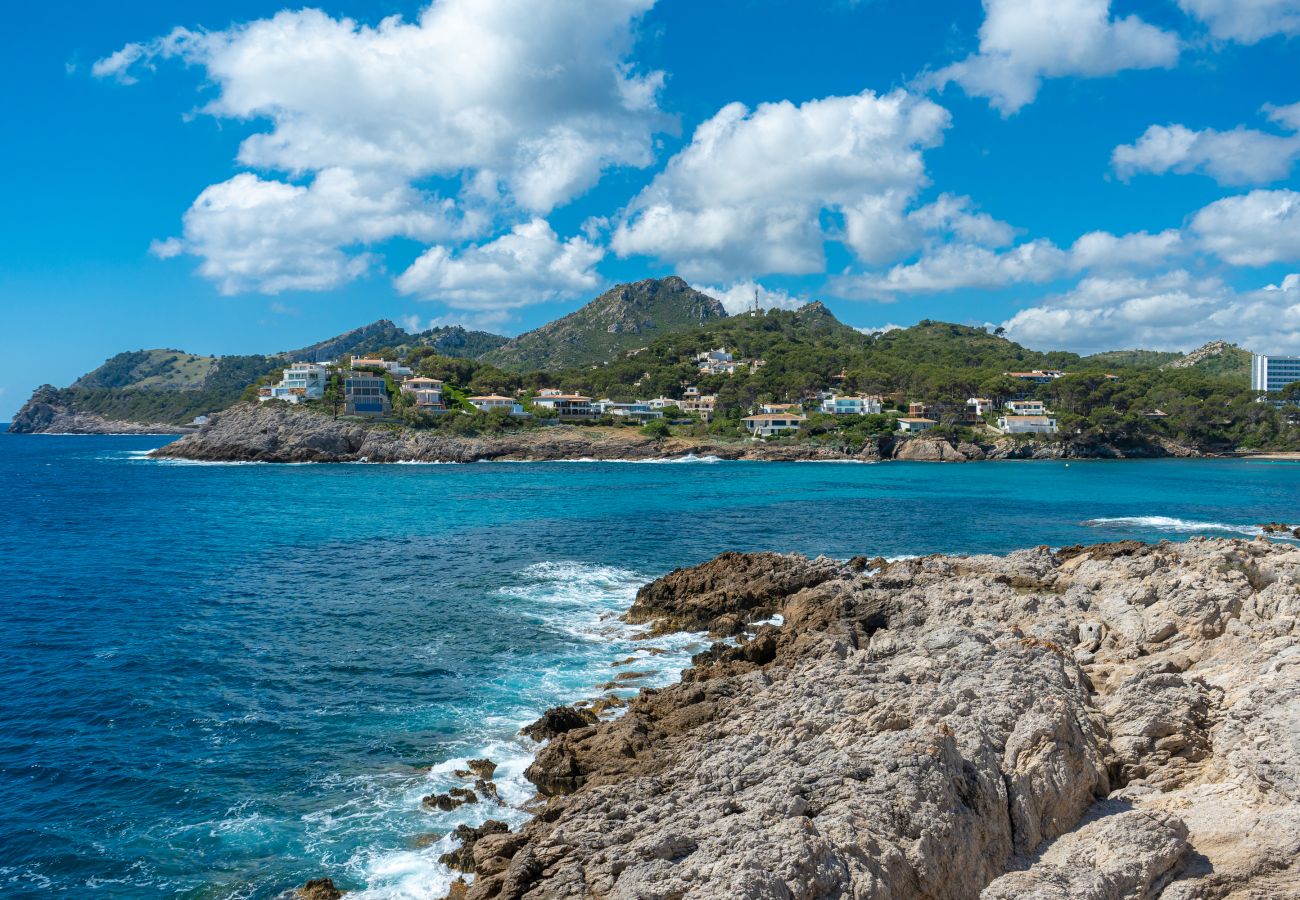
pixel 1022 42
pixel 1253 229
pixel 964 264
pixel 1246 21
pixel 951 267
pixel 254 234
pixel 524 105
pixel 747 195
pixel 1174 311
pixel 529 265
pixel 1239 156
pixel 739 297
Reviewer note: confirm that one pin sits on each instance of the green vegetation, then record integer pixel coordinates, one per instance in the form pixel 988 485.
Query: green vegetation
pixel 623 318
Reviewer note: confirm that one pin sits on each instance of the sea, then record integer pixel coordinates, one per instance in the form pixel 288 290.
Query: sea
pixel 221 680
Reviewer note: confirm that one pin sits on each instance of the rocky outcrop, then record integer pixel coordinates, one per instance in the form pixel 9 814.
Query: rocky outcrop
pixel 43 415
pixel 275 432
pixel 556 721
pixel 1099 722
pixel 319 889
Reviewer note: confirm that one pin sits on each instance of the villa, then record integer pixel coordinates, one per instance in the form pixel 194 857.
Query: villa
pixel 1026 425
pixel 565 406
pixel 301 381
pixel 978 408
pixel 1026 407
pixel 392 368
pixel 491 402
pixel 769 424
pixel 1037 376
pixel 913 424
pixel 852 406
pixel 701 405
pixel 427 393
pixel 778 409
pixel 641 410
pixel 365 394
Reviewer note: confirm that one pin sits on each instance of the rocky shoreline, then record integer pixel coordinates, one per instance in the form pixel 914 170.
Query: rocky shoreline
pixel 278 433
pixel 1113 721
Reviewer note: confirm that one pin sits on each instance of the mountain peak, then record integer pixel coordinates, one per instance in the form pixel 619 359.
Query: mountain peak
pixel 622 318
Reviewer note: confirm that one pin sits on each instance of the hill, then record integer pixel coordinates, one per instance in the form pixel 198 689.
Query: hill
pixel 1216 358
pixel 1134 359
pixel 164 390
pixel 626 317
pixel 384 335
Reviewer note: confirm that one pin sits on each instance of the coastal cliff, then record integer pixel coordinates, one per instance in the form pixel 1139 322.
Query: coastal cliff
pixel 281 433
pixel 1116 721
pixel 44 414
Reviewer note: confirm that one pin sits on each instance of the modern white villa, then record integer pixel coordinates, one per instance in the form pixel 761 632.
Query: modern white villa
pixel 1026 408
pixel 852 406
pixel 573 406
pixel 978 407
pixel 769 424
pixel 301 381
pixel 1027 425
pixel 914 424
pixel 490 402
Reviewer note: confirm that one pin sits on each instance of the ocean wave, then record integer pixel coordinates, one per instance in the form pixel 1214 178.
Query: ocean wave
pixel 1171 524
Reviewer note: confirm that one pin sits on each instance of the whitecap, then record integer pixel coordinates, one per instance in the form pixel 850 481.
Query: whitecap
pixel 1171 524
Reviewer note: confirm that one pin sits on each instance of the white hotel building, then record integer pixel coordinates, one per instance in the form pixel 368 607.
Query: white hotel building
pixel 1273 373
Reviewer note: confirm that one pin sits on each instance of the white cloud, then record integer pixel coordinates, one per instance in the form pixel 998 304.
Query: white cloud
pixel 1239 156
pixel 1246 21
pixel 747 195
pixel 524 104
pixel 526 266
pixel 738 297
pixel 955 266
pixel 271 236
pixel 1253 229
pixel 878 329
pixel 1174 311
pixel 1024 41
pixel 1101 250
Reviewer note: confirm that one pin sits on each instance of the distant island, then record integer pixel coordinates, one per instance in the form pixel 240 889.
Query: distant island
pixel 657 368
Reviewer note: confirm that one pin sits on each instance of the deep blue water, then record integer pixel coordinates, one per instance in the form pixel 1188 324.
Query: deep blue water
pixel 221 680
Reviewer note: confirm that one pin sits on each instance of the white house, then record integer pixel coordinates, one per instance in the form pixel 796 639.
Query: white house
pixel 490 402
pixel 768 424
pixel 662 402
pixel 851 406
pixel 391 367
pixel 1027 425
pixel 714 356
pixel 301 381
pixel 778 409
pixel 426 392
pixel 640 410
pixel 913 424
pixel 978 407
pixel 702 406
pixel 1026 407
pixel 564 405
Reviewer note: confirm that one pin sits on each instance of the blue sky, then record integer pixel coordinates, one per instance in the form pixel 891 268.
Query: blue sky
pixel 241 177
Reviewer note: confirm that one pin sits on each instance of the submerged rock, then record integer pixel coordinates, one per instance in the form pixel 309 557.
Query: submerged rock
pixel 454 798
pixel 1108 722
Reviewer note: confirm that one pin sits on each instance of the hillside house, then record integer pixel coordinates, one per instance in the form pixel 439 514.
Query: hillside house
pixel 492 402
pixel 914 424
pixel 301 381
pixel 366 394
pixel 1026 424
pixel 1026 407
pixel 426 392
pixel 769 424
pixel 565 406
pixel 395 369
pixel 851 406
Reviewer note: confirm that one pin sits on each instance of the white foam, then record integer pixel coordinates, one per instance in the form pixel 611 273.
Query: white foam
pixel 1169 523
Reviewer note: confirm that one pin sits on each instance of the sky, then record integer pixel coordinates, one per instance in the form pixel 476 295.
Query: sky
pixel 243 177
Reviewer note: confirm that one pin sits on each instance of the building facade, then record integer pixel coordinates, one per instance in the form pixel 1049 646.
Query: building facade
pixel 913 424
pixel 1026 425
pixel 852 406
pixel 769 424
pixel 1273 373
pixel 365 394
pixel 301 381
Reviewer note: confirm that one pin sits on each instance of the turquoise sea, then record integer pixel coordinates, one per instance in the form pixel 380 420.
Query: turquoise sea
pixel 218 681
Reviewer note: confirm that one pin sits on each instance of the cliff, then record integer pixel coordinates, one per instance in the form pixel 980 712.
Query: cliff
pixel 1117 721
pixel 280 433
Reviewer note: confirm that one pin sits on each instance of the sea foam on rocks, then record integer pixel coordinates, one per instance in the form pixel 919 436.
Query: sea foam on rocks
pixel 1097 722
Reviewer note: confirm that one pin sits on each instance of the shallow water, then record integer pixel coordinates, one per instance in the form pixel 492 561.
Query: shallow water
pixel 221 680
